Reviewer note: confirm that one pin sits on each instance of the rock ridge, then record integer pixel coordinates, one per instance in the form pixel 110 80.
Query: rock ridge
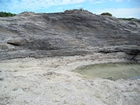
pixel 65 34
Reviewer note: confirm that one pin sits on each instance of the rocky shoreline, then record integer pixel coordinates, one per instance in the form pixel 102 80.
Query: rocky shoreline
pixel 38 53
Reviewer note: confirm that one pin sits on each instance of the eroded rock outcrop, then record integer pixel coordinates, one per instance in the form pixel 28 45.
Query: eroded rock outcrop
pixel 60 34
pixel 50 80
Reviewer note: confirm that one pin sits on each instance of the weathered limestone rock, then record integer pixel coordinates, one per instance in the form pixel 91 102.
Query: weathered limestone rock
pixel 60 34
pixel 93 39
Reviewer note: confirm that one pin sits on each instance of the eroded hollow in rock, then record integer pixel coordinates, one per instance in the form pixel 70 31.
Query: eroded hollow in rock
pixel 112 71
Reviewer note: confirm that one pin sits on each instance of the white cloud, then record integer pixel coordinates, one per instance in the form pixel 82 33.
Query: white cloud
pixel 101 1
pixel 32 5
pixel 96 1
pixel 119 0
pixel 17 6
pixel 122 12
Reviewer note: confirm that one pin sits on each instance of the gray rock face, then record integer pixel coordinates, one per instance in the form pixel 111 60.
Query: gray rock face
pixel 64 34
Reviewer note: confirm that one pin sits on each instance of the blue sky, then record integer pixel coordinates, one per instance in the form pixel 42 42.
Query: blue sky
pixel 118 8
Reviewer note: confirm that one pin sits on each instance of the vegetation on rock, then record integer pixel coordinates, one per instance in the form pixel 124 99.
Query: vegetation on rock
pixel 77 11
pixel 127 18
pixel 106 13
pixel 6 14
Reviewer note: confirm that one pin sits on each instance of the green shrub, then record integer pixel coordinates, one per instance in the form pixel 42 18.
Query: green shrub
pixel 6 14
pixel 73 10
pixel 77 11
pixel 128 18
pixel 106 13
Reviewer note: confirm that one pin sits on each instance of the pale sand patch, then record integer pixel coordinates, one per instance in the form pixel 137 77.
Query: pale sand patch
pixel 49 81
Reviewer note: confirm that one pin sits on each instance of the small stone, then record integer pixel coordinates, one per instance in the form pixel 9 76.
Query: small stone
pixel 48 73
pixel 1 79
pixel 14 89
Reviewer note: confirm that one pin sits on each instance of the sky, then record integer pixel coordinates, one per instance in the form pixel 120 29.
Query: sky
pixel 118 8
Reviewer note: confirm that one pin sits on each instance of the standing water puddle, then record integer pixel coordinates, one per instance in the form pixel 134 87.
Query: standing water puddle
pixel 111 71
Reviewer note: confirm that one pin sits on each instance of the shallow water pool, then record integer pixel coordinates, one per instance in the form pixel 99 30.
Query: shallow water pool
pixel 111 71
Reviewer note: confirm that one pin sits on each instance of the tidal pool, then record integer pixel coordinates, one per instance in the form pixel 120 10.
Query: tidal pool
pixel 112 71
